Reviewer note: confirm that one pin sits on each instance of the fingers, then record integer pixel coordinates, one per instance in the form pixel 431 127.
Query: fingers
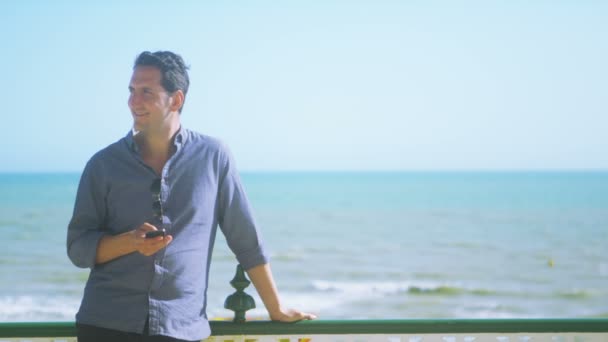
pixel 149 246
pixel 309 316
pixel 144 228
pixel 300 317
pixel 294 316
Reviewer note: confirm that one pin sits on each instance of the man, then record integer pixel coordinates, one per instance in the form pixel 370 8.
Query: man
pixel 160 176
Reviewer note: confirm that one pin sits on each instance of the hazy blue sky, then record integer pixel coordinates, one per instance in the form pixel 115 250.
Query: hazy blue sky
pixel 318 85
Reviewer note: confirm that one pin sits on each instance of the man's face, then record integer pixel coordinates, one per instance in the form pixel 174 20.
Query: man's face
pixel 150 104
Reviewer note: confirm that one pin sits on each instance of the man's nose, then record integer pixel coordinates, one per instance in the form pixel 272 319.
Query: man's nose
pixel 134 100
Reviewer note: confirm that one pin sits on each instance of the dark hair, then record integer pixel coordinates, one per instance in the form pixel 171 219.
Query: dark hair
pixel 173 70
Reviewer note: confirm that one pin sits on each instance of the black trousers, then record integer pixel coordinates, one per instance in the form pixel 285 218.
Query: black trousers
pixel 90 333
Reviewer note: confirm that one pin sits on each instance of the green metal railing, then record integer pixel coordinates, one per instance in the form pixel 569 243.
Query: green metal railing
pixel 596 327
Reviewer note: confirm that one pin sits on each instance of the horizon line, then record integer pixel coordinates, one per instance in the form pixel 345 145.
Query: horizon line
pixel 286 171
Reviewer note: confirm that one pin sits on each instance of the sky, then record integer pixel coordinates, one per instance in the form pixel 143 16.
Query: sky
pixel 318 85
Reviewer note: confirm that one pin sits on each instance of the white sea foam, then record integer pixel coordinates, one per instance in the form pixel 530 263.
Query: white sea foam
pixel 34 308
pixel 375 289
pixel 362 288
pixel 491 309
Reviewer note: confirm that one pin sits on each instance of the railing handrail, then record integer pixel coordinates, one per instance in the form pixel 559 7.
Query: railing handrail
pixel 331 327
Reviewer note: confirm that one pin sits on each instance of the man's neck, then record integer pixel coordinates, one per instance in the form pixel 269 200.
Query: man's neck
pixel 157 143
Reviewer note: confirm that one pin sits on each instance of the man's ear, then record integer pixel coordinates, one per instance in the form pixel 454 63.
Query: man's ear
pixel 177 100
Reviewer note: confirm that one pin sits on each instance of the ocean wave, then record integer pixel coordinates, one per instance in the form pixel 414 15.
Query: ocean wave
pixel 494 309
pixel 575 294
pixel 388 288
pixel 37 308
pixel 449 291
pixel 361 288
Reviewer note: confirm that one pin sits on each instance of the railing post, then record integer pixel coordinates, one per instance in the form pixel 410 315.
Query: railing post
pixel 239 301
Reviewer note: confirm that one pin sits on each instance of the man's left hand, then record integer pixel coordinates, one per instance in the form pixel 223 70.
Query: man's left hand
pixel 292 315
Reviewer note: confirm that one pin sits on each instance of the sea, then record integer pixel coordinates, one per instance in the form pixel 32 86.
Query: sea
pixel 360 245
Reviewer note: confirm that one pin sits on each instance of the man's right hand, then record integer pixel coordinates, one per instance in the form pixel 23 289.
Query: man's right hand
pixel 114 246
pixel 149 246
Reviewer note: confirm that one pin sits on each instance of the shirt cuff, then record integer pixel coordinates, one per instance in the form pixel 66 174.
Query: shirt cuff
pixel 253 258
pixel 83 251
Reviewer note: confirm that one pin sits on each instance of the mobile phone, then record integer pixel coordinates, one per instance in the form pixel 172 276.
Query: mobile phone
pixel 156 233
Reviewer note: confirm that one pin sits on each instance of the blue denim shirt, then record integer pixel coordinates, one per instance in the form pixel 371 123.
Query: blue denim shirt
pixel 200 189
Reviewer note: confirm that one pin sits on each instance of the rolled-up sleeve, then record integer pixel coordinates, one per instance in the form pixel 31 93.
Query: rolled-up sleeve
pixel 235 216
pixel 84 229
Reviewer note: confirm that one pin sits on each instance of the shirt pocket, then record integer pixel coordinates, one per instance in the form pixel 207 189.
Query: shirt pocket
pixel 129 205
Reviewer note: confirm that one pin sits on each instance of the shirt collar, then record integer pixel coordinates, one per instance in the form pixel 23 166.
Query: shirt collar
pixel 131 142
pixel 180 139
